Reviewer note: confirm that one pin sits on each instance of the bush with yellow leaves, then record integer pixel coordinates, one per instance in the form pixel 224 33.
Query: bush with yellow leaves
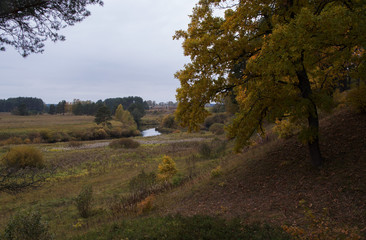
pixel 166 169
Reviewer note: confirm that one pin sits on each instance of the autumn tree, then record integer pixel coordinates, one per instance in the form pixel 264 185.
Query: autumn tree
pixel 125 118
pixel 27 24
pixel 281 59
pixel 166 169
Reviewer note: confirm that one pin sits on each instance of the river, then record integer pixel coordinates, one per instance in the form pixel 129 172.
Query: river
pixel 150 132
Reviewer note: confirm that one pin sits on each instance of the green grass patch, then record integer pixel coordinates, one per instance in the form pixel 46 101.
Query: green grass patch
pixel 185 228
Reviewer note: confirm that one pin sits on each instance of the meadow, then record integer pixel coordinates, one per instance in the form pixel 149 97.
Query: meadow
pixel 108 170
pixel 269 191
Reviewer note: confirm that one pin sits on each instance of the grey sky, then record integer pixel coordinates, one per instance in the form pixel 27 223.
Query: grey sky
pixel 123 49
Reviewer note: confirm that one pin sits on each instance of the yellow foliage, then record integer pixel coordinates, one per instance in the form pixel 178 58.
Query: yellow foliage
pixel 285 128
pixel 277 58
pixel 22 157
pixel 166 169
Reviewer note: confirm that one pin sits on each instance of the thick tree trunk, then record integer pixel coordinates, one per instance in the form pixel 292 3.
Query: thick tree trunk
pixel 313 119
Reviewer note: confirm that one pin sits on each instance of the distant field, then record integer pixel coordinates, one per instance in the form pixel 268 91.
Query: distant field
pixel 13 122
pixel 21 126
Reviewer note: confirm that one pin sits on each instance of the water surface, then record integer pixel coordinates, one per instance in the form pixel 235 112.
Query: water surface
pixel 150 132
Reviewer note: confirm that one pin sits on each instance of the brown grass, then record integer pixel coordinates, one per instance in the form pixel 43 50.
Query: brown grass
pixel 267 182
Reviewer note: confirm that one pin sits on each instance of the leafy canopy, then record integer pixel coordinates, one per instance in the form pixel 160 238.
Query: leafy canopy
pixel 281 59
pixel 27 24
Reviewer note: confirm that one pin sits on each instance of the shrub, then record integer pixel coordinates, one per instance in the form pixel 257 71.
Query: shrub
pixel 215 148
pixel 14 140
pixel 124 143
pixel 215 118
pixel 142 182
pixel 168 121
pixel 27 225
pixel 178 179
pixel 145 205
pixel 100 134
pixel 166 169
pixel 130 133
pixel 217 128
pixel 285 128
pixel 357 98
pixel 46 135
pixel 116 132
pixel 22 157
pixel 84 201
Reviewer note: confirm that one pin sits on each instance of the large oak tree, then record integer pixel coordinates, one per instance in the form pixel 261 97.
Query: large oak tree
pixel 281 58
pixel 27 24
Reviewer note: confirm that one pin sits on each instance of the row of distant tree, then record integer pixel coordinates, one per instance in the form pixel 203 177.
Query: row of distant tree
pixel 27 105
pixel 22 105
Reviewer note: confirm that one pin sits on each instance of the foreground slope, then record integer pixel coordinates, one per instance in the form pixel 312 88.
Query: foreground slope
pixel 267 182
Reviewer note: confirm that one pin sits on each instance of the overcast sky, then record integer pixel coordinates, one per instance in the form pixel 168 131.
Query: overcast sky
pixel 123 49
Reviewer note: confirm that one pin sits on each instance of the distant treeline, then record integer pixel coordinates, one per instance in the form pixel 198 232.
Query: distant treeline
pixel 135 105
pixel 22 105
pixel 28 105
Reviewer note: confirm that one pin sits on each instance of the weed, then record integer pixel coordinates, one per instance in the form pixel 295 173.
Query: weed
pixel 84 201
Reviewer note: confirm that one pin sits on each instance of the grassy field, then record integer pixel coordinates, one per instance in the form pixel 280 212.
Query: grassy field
pixel 107 170
pixel 50 128
pixel 13 123
pixel 253 195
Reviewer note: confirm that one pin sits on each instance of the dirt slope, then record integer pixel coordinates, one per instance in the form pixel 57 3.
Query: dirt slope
pixel 269 185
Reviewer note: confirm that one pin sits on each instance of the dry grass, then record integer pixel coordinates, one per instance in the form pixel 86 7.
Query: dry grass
pixel 16 125
pixel 264 183
pixel 107 170
pixel 267 182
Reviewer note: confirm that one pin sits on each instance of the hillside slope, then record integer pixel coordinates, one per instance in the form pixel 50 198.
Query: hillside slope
pixel 268 182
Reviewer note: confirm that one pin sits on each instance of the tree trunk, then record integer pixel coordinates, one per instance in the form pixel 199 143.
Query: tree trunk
pixel 313 118
pixel 315 154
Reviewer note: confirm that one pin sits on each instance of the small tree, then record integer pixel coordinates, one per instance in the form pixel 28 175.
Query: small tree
pixel 119 112
pixel 103 116
pixel 166 169
pixel 125 117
